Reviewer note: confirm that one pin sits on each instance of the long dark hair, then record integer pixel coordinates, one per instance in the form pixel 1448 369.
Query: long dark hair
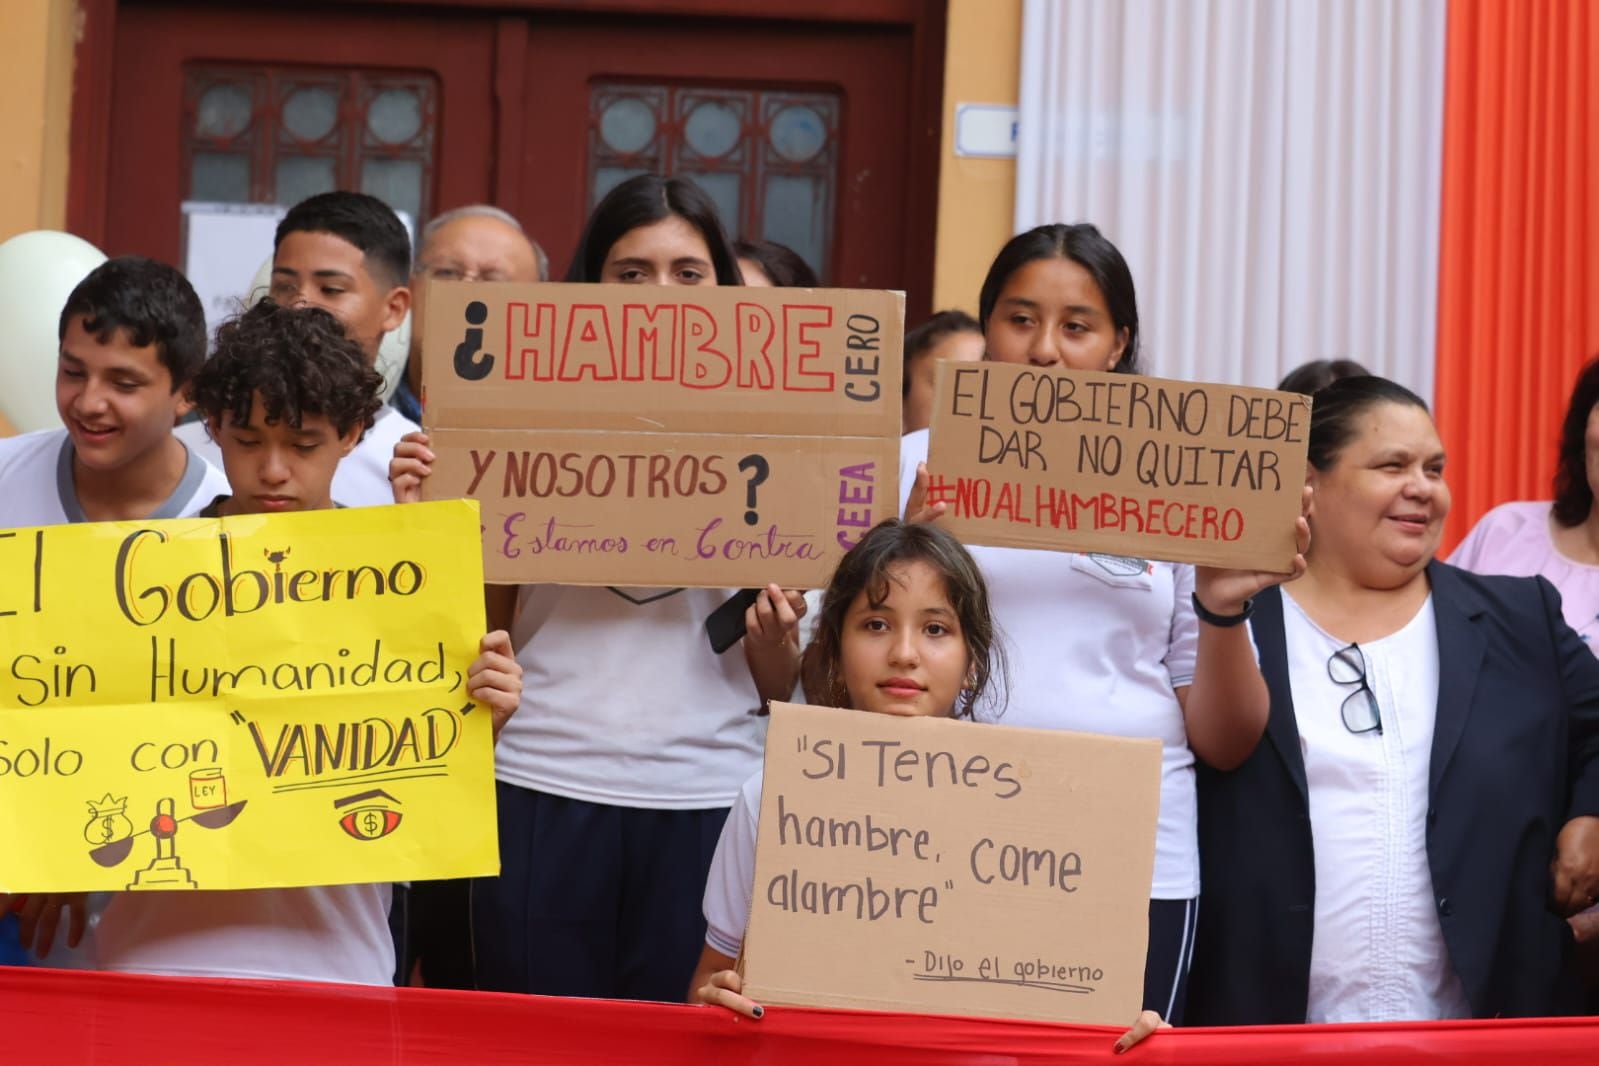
pixel 1573 494
pixel 1310 378
pixel 1332 419
pixel 643 201
pixel 1084 245
pixel 864 568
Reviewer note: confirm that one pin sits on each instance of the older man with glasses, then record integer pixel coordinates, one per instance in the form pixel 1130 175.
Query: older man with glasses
pixel 472 243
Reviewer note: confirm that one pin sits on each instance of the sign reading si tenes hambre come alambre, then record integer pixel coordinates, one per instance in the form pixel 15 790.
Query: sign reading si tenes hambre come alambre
pixel 949 867
pixel 243 702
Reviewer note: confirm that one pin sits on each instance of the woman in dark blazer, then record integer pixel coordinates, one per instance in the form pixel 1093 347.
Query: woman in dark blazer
pixel 1422 812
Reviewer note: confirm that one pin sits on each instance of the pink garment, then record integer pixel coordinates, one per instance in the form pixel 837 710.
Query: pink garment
pixel 1514 538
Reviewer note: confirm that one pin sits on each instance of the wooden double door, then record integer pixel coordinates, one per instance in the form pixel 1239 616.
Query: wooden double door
pixel 811 122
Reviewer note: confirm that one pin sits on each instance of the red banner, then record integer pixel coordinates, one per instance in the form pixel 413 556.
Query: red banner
pixel 62 1017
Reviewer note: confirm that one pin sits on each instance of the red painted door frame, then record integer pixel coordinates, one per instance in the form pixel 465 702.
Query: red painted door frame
pixel 507 178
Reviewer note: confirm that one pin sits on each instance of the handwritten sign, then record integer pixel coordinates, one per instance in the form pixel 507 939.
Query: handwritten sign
pixel 948 867
pixel 243 702
pixel 1034 457
pixel 644 435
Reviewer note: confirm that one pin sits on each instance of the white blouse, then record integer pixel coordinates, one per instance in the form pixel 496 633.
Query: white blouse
pixel 1378 952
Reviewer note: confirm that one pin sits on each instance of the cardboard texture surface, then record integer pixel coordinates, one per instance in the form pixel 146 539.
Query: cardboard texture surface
pixel 1030 457
pixel 931 865
pixel 644 435
pixel 250 702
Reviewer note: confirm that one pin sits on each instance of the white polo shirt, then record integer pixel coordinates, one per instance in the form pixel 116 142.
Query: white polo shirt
pixel 624 703
pixel 1098 644
pixel 331 933
pixel 36 486
pixel 362 479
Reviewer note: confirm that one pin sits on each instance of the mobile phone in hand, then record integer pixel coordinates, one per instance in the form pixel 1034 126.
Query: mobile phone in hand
pixel 724 627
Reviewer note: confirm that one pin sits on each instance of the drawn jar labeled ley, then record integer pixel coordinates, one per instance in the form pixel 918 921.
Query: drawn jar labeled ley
pixel 208 788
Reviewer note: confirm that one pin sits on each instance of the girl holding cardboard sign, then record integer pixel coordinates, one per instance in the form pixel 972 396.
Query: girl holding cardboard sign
pixel 613 791
pixel 904 629
pixel 1106 644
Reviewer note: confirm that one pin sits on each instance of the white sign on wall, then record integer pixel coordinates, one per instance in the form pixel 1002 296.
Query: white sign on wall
pixel 985 131
pixel 224 246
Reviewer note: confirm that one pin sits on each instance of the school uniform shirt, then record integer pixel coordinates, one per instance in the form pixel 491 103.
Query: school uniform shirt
pixel 730 888
pixel 1378 954
pixel 36 487
pixel 362 479
pixel 1516 539
pixel 624 703
pixel 1098 644
pixel 328 933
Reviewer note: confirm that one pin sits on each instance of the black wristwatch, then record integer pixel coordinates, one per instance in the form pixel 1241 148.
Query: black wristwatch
pixel 1222 621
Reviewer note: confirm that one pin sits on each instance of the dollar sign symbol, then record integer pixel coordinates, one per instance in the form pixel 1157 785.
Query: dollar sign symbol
pixel 371 824
pixel 107 828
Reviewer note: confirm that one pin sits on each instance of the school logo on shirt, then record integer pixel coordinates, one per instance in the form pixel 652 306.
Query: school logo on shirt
pixel 1121 565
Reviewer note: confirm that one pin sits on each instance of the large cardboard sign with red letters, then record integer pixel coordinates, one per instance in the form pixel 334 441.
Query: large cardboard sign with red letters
pixel 644 435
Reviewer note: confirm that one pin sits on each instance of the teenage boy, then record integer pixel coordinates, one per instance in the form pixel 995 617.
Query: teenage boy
pixel 288 395
pixel 349 254
pixel 132 335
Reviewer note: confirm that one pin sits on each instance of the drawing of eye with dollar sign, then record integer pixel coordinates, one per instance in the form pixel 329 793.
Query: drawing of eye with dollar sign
pixel 368 815
pixel 108 820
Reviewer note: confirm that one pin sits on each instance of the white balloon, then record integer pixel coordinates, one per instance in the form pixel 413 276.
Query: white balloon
pixel 38 271
pixel 392 353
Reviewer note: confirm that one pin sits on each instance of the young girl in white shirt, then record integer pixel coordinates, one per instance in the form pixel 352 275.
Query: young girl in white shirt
pixel 904 629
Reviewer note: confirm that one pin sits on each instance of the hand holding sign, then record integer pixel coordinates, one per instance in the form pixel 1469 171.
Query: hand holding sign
pixel 412 463
pixel 772 642
pixel 917 509
pixel 1224 591
pixel 495 678
pixel 39 918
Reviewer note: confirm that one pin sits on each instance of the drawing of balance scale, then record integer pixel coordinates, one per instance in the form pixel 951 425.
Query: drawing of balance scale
pixel 166 871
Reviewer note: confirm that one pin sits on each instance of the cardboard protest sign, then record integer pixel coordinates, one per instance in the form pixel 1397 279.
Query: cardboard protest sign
pixel 648 435
pixel 243 702
pixel 1044 457
pixel 925 864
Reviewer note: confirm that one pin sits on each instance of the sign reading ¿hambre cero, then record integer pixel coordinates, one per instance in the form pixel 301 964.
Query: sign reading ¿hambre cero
pixel 643 435
pixel 1043 457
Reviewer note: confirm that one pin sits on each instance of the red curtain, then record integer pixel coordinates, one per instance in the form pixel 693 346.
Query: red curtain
pixel 1518 306
pixel 66 1018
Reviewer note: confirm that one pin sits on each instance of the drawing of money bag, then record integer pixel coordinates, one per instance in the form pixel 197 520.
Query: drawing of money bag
pixel 108 820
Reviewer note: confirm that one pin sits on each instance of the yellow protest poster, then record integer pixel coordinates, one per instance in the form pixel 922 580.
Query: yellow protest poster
pixel 249 702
